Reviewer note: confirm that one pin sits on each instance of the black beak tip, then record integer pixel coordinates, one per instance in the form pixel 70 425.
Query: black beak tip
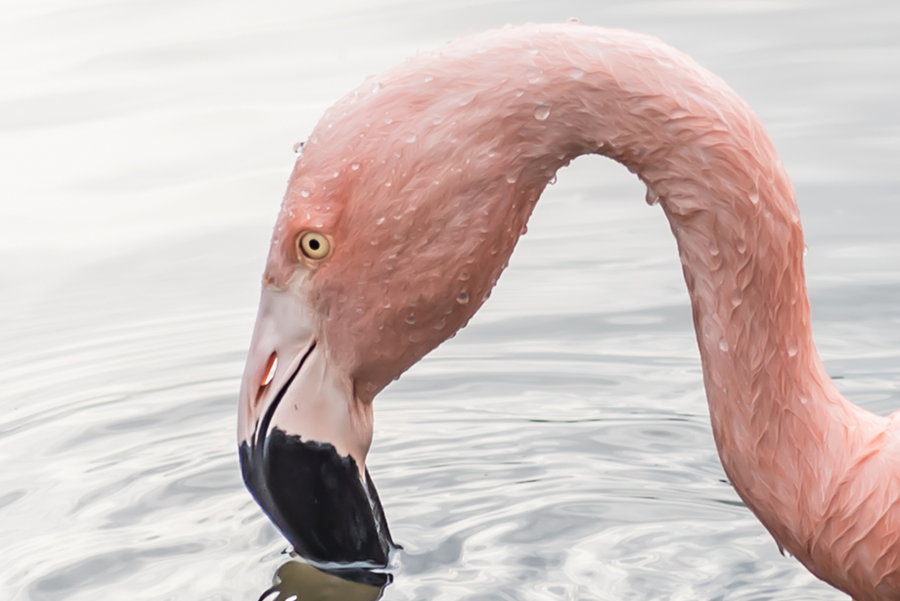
pixel 317 499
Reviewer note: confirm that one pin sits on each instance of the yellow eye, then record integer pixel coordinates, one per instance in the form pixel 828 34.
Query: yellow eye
pixel 314 245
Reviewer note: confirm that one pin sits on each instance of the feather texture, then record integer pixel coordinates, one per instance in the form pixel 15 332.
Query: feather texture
pixel 426 175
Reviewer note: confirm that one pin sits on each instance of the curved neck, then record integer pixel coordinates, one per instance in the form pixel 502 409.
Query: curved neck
pixel 707 160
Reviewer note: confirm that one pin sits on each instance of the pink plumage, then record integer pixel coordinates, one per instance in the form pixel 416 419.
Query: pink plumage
pixel 423 179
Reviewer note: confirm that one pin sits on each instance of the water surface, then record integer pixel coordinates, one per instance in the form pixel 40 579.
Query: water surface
pixel 558 448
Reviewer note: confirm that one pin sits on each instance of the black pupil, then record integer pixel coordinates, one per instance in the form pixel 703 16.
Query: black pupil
pixel 313 244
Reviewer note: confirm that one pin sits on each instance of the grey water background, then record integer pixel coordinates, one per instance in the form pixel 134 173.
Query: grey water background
pixel 558 448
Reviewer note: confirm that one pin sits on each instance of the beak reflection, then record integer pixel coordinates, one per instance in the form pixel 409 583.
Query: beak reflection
pixel 303 582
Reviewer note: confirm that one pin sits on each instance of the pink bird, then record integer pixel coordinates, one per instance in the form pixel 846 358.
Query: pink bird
pixel 403 210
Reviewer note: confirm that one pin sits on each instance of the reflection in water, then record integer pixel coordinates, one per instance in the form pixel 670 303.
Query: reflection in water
pixel 303 582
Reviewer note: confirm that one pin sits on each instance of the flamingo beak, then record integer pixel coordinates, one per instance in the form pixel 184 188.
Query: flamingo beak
pixel 303 443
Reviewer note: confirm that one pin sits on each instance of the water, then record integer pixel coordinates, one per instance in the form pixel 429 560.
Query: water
pixel 558 448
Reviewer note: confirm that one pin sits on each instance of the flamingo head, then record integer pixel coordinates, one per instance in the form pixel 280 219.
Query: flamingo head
pixel 389 238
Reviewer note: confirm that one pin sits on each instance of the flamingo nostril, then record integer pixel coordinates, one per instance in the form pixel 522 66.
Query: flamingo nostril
pixel 268 375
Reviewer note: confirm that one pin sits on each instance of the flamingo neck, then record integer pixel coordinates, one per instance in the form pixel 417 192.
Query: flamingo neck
pixel 707 160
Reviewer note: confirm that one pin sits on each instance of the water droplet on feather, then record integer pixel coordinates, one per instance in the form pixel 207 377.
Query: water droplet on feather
pixel 466 99
pixel 541 112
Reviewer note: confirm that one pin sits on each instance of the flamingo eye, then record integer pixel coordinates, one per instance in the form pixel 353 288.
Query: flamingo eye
pixel 314 245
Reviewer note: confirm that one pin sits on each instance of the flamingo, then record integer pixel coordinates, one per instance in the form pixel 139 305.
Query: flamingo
pixel 403 210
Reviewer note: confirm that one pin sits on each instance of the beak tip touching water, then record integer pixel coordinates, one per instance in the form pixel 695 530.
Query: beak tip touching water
pixel 317 499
